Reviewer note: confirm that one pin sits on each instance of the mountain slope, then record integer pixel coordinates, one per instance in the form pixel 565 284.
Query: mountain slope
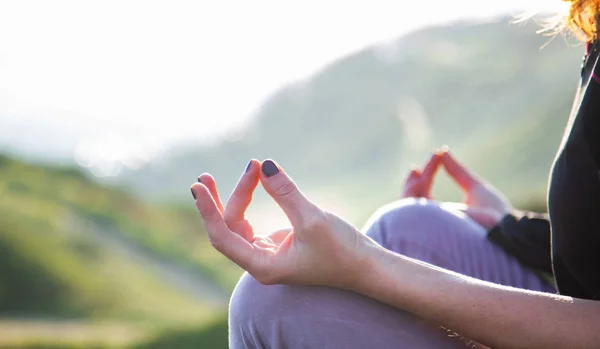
pixel 72 248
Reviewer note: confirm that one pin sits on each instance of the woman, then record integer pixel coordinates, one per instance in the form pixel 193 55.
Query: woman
pixel 420 266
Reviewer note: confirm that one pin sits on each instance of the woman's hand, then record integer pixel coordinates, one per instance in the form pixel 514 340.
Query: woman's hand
pixel 319 249
pixel 485 205
pixel 419 182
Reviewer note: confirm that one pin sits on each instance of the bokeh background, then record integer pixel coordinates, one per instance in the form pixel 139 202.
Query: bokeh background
pixel 110 110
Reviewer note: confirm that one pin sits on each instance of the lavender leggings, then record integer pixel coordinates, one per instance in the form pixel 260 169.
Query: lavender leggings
pixel 281 316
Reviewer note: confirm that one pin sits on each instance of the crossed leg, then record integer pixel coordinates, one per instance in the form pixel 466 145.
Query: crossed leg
pixel 282 316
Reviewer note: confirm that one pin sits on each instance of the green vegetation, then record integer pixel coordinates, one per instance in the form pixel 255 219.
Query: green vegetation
pixel 73 249
pixel 212 335
pixel 61 206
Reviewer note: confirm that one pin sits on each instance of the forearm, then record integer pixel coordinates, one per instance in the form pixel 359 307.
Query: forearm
pixel 497 316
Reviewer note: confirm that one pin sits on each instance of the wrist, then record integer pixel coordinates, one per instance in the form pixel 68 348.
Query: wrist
pixel 370 275
pixel 394 279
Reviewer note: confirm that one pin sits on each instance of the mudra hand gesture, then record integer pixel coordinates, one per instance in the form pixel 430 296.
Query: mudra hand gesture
pixel 319 249
pixel 482 202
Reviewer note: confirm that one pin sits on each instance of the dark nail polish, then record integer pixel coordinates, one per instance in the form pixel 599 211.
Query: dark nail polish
pixel 199 180
pixel 249 166
pixel 269 168
pixel 193 194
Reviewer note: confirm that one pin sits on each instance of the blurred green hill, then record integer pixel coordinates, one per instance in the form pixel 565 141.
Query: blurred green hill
pixel 350 131
pixel 71 248
pixel 76 257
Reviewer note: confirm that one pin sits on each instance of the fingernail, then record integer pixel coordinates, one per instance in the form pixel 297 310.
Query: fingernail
pixel 193 194
pixel 413 167
pixel 249 166
pixel 199 180
pixel 269 168
pixel 444 149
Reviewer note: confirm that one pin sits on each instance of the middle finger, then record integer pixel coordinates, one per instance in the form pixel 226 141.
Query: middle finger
pixel 241 197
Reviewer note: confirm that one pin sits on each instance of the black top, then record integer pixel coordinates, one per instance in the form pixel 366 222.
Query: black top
pixel 573 201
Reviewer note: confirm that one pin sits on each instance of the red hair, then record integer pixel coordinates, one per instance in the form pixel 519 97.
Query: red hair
pixel 583 17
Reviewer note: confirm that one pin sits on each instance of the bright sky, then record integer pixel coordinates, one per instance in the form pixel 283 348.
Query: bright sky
pixel 97 73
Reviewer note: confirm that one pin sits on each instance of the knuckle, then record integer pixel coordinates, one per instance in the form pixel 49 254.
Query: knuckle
pixel 216 244
pixel 228 217
pixel 315 222
pixel 286 189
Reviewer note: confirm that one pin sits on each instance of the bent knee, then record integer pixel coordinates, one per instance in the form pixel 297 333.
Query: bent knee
pixel 418 226
pixel 277 316
pixel 410 213
pixel 281 316
pixel 249 311
pixel 407 208
pixel 254 303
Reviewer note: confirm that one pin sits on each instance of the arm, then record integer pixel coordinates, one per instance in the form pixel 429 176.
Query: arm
pixel 323 249
pixel 497 316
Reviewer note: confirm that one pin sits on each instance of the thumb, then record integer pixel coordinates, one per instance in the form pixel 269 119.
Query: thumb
pixel 286 194
pixel 459 172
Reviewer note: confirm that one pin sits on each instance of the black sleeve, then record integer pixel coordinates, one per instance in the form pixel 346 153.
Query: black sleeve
pixel 526 236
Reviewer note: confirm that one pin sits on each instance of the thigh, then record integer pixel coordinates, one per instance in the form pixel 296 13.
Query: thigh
pixel 427 231
pixel 281 316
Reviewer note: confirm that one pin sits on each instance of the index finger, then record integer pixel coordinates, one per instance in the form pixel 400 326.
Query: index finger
pixel 458 172
pixel 241 197
pixel 224 240
pixel 429 172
